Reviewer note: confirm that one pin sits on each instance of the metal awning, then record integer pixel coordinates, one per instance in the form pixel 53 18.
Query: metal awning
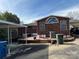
pixel 4 24
pixel 75 24
pixel 8 25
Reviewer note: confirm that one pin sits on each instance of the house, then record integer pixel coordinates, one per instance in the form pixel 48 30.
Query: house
pixel 31 28
pixel 55 24
pixel 74 23
pixel 21 31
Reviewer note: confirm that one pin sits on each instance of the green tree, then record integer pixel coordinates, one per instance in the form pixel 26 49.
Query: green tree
pixel 3 34
pixel 10 17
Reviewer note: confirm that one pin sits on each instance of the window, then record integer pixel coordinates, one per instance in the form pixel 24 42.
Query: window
pixel 52 20
pixel 41 26
pixel 63 25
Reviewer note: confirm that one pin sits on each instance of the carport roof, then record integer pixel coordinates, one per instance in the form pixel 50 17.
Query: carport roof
pixel 4 24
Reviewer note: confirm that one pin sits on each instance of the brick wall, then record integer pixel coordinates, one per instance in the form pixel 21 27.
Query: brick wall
pixel 52 27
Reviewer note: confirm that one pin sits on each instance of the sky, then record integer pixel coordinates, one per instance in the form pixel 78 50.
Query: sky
pixel 31 10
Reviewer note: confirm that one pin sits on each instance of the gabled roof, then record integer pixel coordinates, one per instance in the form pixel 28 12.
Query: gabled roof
pixel 32 24
pixel 44 18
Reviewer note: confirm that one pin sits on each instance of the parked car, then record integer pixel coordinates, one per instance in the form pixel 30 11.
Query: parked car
pixel 74 31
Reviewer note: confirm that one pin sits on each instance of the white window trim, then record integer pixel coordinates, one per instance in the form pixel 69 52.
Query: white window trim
pixel 54 22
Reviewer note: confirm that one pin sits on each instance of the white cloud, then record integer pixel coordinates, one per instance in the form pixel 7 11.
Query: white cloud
pixel 68 10
pixel 8 5
pixel 64 12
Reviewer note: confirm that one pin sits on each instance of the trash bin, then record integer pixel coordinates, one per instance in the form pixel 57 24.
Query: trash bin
pixel 59 38
pixel 3 49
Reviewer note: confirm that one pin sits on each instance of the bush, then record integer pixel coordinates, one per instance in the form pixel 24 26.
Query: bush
pixel 3 34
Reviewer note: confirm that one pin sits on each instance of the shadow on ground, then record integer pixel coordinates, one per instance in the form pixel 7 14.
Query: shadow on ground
pixel 26 50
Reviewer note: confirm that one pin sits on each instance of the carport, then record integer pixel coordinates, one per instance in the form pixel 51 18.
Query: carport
pixel 75 23
pixel 8 25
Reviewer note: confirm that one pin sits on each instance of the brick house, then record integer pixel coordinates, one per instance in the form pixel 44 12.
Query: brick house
pixel 52 23
pixel 31 28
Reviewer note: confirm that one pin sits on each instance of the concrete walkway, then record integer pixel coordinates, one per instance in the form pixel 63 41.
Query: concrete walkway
pixel 69 50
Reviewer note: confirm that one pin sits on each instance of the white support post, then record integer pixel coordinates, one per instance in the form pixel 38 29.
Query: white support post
pixel 8 40
pixel 50 36
pixel 17 31
pixel 11 36
pixel 26 34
